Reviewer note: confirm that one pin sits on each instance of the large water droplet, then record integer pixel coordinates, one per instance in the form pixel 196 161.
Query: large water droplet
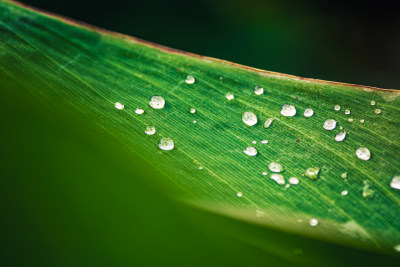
pixel 294 180
pixel 268 122
pixel 275 167
pixel 347 112
pixel 395 183
pixel 139 111
pixel 377 111
pixel 119 106
pixel 330 124
pixel 288 110
pixel 363 153
pixel 230 96
pixel 278 178
pixel 258 90
pixel 367 192
pixel 250 151
pixel 190 79
pixel 192 110
pixel 150 130
pixel 308 112
pixel 249 118
pixel 337 107
pixel 157 102
pixel 313 222
pixel 166 143
pixel 312 173
pixel 340 136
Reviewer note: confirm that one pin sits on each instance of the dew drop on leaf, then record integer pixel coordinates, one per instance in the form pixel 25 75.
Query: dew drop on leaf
pixel 313 222
pixel 330 124
pixel 275 167
pixel 230 96
pixel 350 120
pixel 395 183
pixel 377 111
pixel 190 79
pixel 312 173
pixel 192 110
pixel 347 112
pixel 294 180
pixel 363 153
pixel 119 106
pixel 344 175
pixel 373 102
pixel 268 122
pixel 258 90
pixel 239 194
pixel 337 107
pixel 150 130
pixel 308 112
pixel 254 142
pixel 264 142
pixel 367 191
pixel 362 121
pixel 250 151
pixel 139 111
pixel 340 136
pixel 288 110
pixel 278 178
pixel 397 248
pixel 157 102
pixel 249 118
pixel 166 143
pixel 344 193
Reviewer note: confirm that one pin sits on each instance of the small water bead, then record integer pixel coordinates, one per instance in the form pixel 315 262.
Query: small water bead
pixel 239 194
pixel 119 106
pixel 377 111
pixel 340 127
pixel 337 107
pixel 230 96
pixel 157 102
pixel 373 102
pixel 200 168
pixel 278 178
pixel 330 124
pixel 265 173
pixel 347 112
pixel 363 153
pixel 258 90
pixel 166 143
pixel 264 142
pixel 350 120
pixel 397 248
pixel 367 192
pixel 395 183
pixel 192 110
pixel 194 121
pixel 139 111
pixel 313 222
pixel 254 142
pixel 249 118
pixel 340 136
pixel 344 193
pixel 190 79
pixel 150 130
pixel 308 112
pixel 250 151
pixel 294 180
pixel 275 167
pixel 362 121
pixel 288 110
pixel 344 175
pixel 312 173
pixel 268 122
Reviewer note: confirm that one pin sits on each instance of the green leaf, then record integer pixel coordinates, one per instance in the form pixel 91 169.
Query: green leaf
pixel 80 73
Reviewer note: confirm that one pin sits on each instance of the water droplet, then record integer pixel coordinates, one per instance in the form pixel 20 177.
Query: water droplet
pixel 395 183
pixel 373 102
pixel 340 136
pixel 139 111
pixel 157 102
pixel 250 151
pixel 150 130
pixel 264 173
pixel 200 168
pixel 397 248
pixel 330 124
pixel 344 175
pixel 347 112
pixel 362 121
pixel 264 142
pixel 230 96
pixel 254 142
pixel 367 192
pixel 119 106
pixel 350 120
pixel 239 194
pixel 344 193
pixel 278 178
pixel 194 121
pixel 294 180
pixel 268 122
pixel 377 111
pixel 340 127
pixel 192 110
pixel 337 107
pixel 249 118
pixel 308 112
pixel 258 90
pixel 275 167
pixel 288 110
pixel 166 143
pixel 312 173
pixel 363 153
pixel 313 222
pixel 190 79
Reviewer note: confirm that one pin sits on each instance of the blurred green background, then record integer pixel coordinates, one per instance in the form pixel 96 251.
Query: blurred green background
pixel 345 41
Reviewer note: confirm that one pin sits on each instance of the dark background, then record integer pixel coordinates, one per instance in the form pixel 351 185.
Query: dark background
pixel 346 41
